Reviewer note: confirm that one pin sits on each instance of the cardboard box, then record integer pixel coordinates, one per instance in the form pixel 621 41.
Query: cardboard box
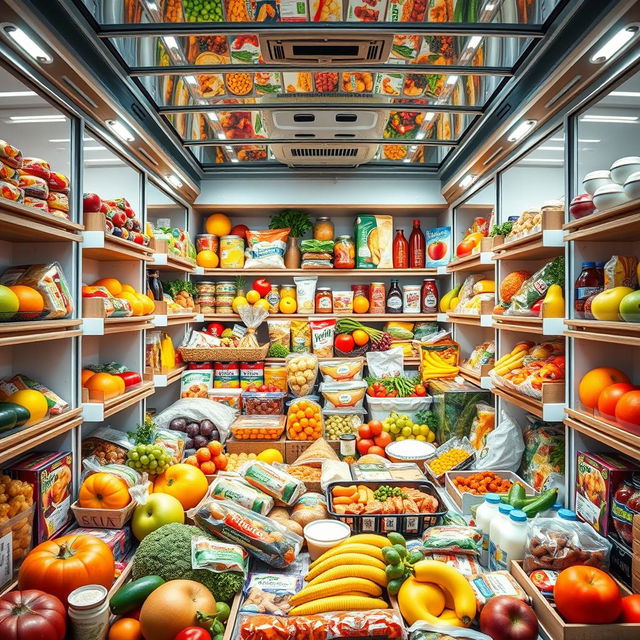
pixel 438 242
pixel 50 476
pixel 120 541
pixel 255 446
pixel 597 477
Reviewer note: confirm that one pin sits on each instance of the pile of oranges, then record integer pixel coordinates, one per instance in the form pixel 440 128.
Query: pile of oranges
pixel 141 304
pixel 304 420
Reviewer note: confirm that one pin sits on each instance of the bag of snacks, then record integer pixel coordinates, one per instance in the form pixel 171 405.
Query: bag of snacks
pixel 422 630
pixel 9 174
pixel 270 593
pixel 343 395
pixel 300 336
pixel 36 167
pixel 107 446
pixel 10 155
pixel 322 334
pixel 556 544
pixel 228 488
pixel 306 293
pixel 543 456
pixel 33 186
pixel 58 201
pixel 280 332
pixel 217 556
pixel 309 508
pixel 535 288
pixel 58 182
pixel 342 370
pixel 483 424
pixel 265 249
pixel 36 203
pixel 12 192
pixel 304 419
pixel 262 537
pixel 274 482
pixel 302 371
pixel 452 539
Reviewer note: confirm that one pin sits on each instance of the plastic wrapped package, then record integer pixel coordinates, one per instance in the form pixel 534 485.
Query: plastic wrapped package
pixel 34 186
pixel 304 419
pixel 58 182
pixel 262 537
pixel 58 201
pixel 9 174
pixel 20 382
pixel 269 593
pixel 342 370
pixel 130 476
pixel 11 192
pixel 544 446
pixel 503 446
pixel 10 155
pixel 302 370
pixel 452 539
pixel 36 167
pixel 535 288
pixel 274 482
pixel 36 203
pixel 109 446
pixel 235 490
pixel 266 249
pixel 483 424
pixel 343 395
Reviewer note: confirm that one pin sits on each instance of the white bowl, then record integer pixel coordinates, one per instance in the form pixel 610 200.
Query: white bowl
pixel 622 168
pixel 409 451
pixel 596 179
pixel 609 196
pixel 632 186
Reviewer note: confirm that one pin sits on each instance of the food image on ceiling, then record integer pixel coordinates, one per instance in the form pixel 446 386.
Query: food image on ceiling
pixel 405 47
pixel 210 85
pixel 442 11
pixel 252 153
pixel 297 82
pixel 237 124
pixel 326 81
pixel 239 84
pixel 403 124
pixel 208 50
pixel 366 10
pixel 436 50
pixel 267 11
pixel 325 10
pixel 267 83
pixel 415 84
pixel 388 84
pixel 406 10
pixel 356 82
pixel 245 49
pixel 394 151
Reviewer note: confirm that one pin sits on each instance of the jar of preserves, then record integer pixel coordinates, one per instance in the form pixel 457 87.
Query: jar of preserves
pixel 231 252
pixel 323 229
pixel 344 253
pixel 207 242
pixel 429 296
pixel 360 290
pixel 273 298
pixel 205 287
pixel 324 300
pixel 626 504
pixel 288 291
pixel 227 287
pixel 348 452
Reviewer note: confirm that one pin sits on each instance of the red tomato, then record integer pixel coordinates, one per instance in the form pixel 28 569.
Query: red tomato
pixel 375 426
pixel 32 614
pixel 193 633
pixel 587 595
pixel 420 390
pixel 215 328
pixel 609 396
pixel 379 451
pixel 364 431
pixel 631 608
pixel 262 286
pixel 344 342
pixel 364 445
pixel 382 440
pixel 628 410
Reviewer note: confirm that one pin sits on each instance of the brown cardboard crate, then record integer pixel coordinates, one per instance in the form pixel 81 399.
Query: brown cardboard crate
pixel 255 446
pixel 558 629
pixel 102 518
pixel 294 448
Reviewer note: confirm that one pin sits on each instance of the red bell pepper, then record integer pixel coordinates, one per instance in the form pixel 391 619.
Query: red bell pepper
pixel 131 378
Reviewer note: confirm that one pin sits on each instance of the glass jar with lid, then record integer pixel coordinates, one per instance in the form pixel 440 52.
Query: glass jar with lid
pixel 323 229
pixel 344 253
pixel 324 300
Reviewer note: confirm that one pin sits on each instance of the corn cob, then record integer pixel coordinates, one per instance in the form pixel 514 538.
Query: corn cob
pixel 355 571
pixel 338 603
pixel 366 549
pixel 343 558
pixel 342 586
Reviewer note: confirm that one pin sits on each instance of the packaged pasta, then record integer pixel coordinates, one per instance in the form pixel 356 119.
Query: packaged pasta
pixel 224 488
pixel 58 201
pixel 9 174
pixel 302 371
pixel 306 293
pixel 34 186
pixel 343 395
pixel 304 420
pixel 58 182
pixel 10 155
pixel 280 332
pixel 274 482
pixel 11 192
pixel 36 167
pixel 262 537
pixel 300 336
pixel 322 334
pixel 342 370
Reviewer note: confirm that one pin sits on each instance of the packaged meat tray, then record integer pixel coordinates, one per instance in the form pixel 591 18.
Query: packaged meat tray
pixel 10 155
pixel 9 191
pixel 33 186
pixel 9 174
pixel 36 167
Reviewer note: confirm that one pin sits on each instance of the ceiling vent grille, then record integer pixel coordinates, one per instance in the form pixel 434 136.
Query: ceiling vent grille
pixel 321 152
pixel 299 154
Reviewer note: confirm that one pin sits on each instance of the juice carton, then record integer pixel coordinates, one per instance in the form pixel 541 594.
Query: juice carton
pixel 438 246
pixel 51 477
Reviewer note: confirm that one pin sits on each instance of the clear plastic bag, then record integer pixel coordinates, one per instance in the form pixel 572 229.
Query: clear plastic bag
pixel 252 317
pixel 503 446
pixel 92 465
pixel 343 395
pixel 343 369
pixel 386 364
pixel 304 419
pixel 422 630
pixel 302 371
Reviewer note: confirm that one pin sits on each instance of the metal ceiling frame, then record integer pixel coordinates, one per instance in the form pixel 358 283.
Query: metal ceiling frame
pixel 268 141
pixel 324 106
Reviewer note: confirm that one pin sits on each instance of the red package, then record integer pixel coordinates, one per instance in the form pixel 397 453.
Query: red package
pixel 36 203
pixel 58 182
pixel 10 155
pixel 36 167
pixel 11 192
pixel 33 186
pixel 9 174
pixel 58 200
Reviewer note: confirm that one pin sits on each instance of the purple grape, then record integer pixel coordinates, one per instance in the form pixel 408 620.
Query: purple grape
pixel 200 441
pixel 215 435
pixel 178 424
pixel 192 429
pixel 188 443
pixel 206 428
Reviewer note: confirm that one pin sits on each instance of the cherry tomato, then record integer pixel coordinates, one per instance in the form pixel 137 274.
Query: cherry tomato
pixel 193 633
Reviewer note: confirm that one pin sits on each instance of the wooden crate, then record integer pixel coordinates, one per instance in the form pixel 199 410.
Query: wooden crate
pixel 556 628
pixel 102 518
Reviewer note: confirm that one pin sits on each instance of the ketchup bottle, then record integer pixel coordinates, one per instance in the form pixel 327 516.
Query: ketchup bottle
pixel 400 251
pixel 417 247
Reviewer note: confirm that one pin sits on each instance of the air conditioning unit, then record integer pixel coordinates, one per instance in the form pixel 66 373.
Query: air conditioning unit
pixel 345 48
pixel 324 155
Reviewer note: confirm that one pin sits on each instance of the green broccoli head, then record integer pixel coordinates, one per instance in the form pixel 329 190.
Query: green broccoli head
pixel 166 552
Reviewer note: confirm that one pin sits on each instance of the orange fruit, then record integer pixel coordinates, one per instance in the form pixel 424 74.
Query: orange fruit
pixel 215 447
pixel 105 384
pixel 32 400
pixel 148 307
pixel 136 304
pixel 30 300
pixel 288 305
pixel 360 304
pixel 218 224
pixel 112 285
pixel 129 288
pixel 594 382
pixel 126 629
pixel 86 374
pixel 207 259
pixel 360 337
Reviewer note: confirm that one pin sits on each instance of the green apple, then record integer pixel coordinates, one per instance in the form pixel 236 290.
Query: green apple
pixel 630 307
pixel 159 509
pixel 605 306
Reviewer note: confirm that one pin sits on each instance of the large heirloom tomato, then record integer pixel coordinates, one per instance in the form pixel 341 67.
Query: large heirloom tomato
pixel 32 615
pixel 587 595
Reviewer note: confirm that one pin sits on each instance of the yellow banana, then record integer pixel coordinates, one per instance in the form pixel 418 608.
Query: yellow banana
pixel 431 361
pixel 509 366
pixel 448 616
pixel 454 582
pixel 420 600
pixel 438 359
pixel 367 538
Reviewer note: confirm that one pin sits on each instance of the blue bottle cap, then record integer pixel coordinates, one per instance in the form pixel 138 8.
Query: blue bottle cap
pixel 505 508
pixel 492 498
pixel 567 514
pixel 517 515
pixel 587 265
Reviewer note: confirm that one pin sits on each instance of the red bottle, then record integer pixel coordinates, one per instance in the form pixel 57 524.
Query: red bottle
pixel 417 247
pixel 400 251
pixel 429 296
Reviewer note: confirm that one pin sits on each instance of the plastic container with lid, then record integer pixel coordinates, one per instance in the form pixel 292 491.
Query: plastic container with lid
pixel 89 612
pixel 513 540
pixel 344 253
pixel 258 427
pixel 486 512
pixel 263 403
pixel 497 525
pixel 553 512
pixel 323 535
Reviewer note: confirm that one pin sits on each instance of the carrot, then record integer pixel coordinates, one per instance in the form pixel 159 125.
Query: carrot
pixel 346 499
pixel 344 491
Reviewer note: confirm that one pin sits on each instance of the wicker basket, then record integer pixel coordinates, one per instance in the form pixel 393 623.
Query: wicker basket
pixel 224 354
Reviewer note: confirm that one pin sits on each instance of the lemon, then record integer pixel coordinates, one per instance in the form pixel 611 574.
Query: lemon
pixel 263 304
pixel 32 400
pixel 288 305
pixel 270 456
pixel 238 301
pixel 253 296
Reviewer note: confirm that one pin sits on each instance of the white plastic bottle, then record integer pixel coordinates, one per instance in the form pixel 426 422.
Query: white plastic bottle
pixel 513 540
pixel 496 527
pixel 567 514
pixel 487 511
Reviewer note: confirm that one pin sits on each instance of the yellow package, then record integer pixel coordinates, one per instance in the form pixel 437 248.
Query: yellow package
pixel 621 271
pixel 300 336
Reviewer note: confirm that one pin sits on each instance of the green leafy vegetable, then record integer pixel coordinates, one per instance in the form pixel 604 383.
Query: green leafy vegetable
pixel 503 229
pixel 297 221
pixel 317 246
pixel 174 287
pixel 277 350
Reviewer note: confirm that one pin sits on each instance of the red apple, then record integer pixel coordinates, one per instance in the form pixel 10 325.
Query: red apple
pixel 262 286
pixel 240 230
pixel 507 618
pixel 119 219
pixel 588 314
pixel 437 250
pixel 91 202
pixel 104 207
pixel 582 206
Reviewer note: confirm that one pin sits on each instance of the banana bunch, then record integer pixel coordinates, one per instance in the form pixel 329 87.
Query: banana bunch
pixel 348 577
pixel 434 366
pixel 437 593
pixel 513 360
pixel 449 300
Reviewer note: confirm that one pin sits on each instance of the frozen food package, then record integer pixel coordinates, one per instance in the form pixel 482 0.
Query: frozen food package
pixel 228 488
pixel 9 174
pixel 374 242
pixel 10 155
pixel 261 536
pixel 342 370
pixel 34 186
pixel 218 557
pixel 452 539
pixel 343 395
pixel 266 249
pixel 58 201
pixel 270 593
pixel 326 10
pixel 274 482
pixel 11 192
pixel 58 182
pixel 322 333
pixel 366 10
pixel 36 167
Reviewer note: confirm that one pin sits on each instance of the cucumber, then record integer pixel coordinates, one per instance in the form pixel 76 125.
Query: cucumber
pixel 22 413
pixel 8 416
pixel 133 594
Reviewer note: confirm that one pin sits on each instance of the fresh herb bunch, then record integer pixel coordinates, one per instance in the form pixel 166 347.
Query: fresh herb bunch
pixel 503 229
pixel 174 287
pixel 424 416
pixel 277 350
pixel 145 432
pixel 297 221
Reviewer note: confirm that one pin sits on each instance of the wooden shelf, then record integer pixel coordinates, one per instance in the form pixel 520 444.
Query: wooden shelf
pixel 547 410
pixel 621 224
pixel 168 262
pixel 173 319
pixel 26 438
pixel 321 273
pixel 98 411
pixel 19 223
pixel 525 324
pixel 97 245
pixel 408 361
pixel 627 333
pixel 482 320
pixel 164 379
pixel 537 246
pixel 479 378
pixel 106 326
pixel 604 431
pixel 364 317
pixel 477 262
pixel 38 331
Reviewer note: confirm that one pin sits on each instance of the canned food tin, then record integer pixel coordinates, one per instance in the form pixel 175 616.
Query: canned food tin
pixel 231 252
pixel 226 375
pixel 251 373
pixel 207 242
pixel 206 287
pixel 275 373
pixel 226 286
pixel 273 298
pixel 411 298
pixel 377 297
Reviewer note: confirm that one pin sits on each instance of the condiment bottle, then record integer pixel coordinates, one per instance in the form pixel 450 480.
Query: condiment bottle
pixel 394 298
pixel 589 282
pixel 400 251
pixel 497 525
pixel 513 540
pixel 486 512
pixel 89 612
pixel 323 229
pixel 324 300
pixel 417 247
pixel 429 296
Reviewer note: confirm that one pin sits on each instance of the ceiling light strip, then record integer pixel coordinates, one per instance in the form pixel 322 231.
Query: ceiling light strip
pixel 245 141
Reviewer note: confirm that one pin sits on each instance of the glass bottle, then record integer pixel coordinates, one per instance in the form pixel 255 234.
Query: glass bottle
pixel 154 285
pixel 417 247
pixel 429 296
pixel 394 298
pixel 589 282
pixel 323 229
pixel 400 251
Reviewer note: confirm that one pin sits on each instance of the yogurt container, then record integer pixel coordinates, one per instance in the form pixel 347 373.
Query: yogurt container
pixel 323 535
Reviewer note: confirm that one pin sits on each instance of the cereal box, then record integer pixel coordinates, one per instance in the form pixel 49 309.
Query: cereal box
pixel 597 477
pixel 438 246
pixel 51 478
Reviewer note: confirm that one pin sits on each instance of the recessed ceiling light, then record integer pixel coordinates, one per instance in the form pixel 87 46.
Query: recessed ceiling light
pixel 559 160
pixel 550 148
pixel 521 130
pixel 35 119
pixel 68 140
pixel 120 130
pixel 467 181
pixel 174 180
pixel 103 161
pixel 17 94
pixel 27 44
pixel 619 94
pixel 96 148
pixel 614 45
pixel 609 119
